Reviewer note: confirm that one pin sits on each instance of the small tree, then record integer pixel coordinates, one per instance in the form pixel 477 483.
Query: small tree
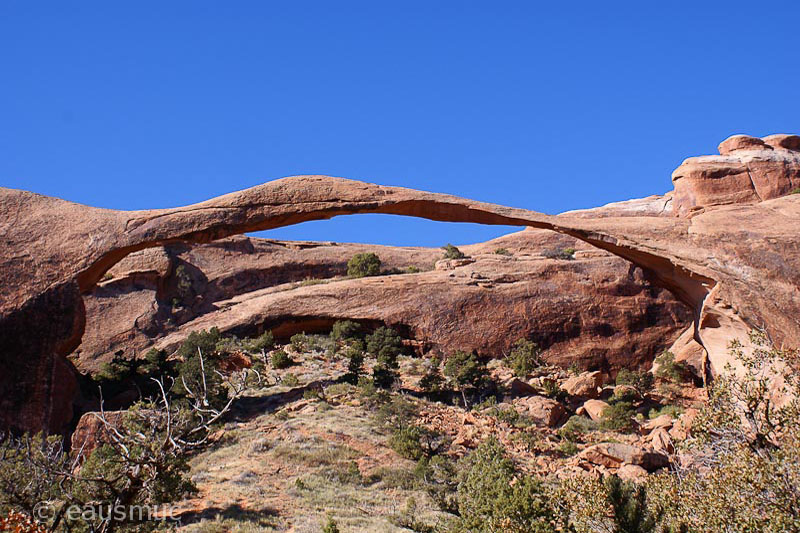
pixel 641 381
pixel 386 345
pixel 747 445
pixel 670 369
pixel 281 360
pixel 345 330
pixel 618 416
pixel 629 502
pixel 142 459
pixel 260 344
pixel 355 365
pixel 525 356
pixel 330 526
pixel 362 265
pixel 465 371
pixel 451 252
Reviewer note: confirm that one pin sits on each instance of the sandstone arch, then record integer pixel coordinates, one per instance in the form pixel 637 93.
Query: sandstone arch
pixel 54 250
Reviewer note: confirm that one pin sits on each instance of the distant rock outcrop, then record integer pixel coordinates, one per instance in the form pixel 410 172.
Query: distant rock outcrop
pixel 735 265
pixel 748 170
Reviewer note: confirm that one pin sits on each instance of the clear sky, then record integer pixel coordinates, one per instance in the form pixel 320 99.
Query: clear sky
pixel 544 105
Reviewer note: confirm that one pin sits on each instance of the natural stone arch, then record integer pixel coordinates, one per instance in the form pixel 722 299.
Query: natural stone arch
pixel 57 250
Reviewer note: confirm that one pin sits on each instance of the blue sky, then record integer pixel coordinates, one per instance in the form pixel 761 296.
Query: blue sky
pixel 548 106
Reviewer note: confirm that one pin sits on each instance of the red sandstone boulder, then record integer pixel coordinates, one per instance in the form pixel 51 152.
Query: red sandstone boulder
pixel 614 455
pixel 543 411
pixel 594 409
pixel 749 170
pixel 783 141
pixel 742 142
pixel 585 385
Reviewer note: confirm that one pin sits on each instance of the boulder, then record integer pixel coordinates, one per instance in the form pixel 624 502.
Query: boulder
pixel 91 431
pixel 661 442
pixel 742 142
pixel 517 387
pixel 633 473
pixel 594 409
pixel 614 455
pixel 783 141
pixel 660 422
pixel 584 385
pixel 452 264
pixel 748 171
pixel 688 351
pixel 543 411
pixel 681 427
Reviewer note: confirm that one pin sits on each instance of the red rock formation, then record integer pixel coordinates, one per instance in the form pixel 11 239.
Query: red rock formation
pixel 736 264
pixel 595 311
pixel 748 170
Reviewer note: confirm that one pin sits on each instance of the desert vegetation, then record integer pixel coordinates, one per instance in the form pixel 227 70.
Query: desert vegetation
pixel 467 438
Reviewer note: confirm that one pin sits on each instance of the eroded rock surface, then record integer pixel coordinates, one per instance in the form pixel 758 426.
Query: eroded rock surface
pixel 597 311
pixel 736 264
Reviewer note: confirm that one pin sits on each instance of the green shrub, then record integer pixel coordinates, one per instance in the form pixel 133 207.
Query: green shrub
pixel 330 526
pixel 524 357
pixel 355 363
pixel 412 269
pixel 120 368
pixel 641 381
pixel 205 341
pixel 413 442
pixel 451 252
pixel 194 373
pixel 439 477
pixel 184 286
pixel 576 427
pixel 281 360
pixel 629 503
pixel 672 370
pixel 624 394
pixel 299 342
pixel 492 496
pixel 567 254
pixel 618 417
pixel 502 251
pixel 674 411
pixel 432 382
pixel 553 390
pixel 155 364
pixel 466 373
pixel 396 413
pixel 262 343
pixel 384 376
pixel 345 330
pixel 568 448
pixel 385 344
pixel 290 380
pixel 362 265
pixel 795 191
